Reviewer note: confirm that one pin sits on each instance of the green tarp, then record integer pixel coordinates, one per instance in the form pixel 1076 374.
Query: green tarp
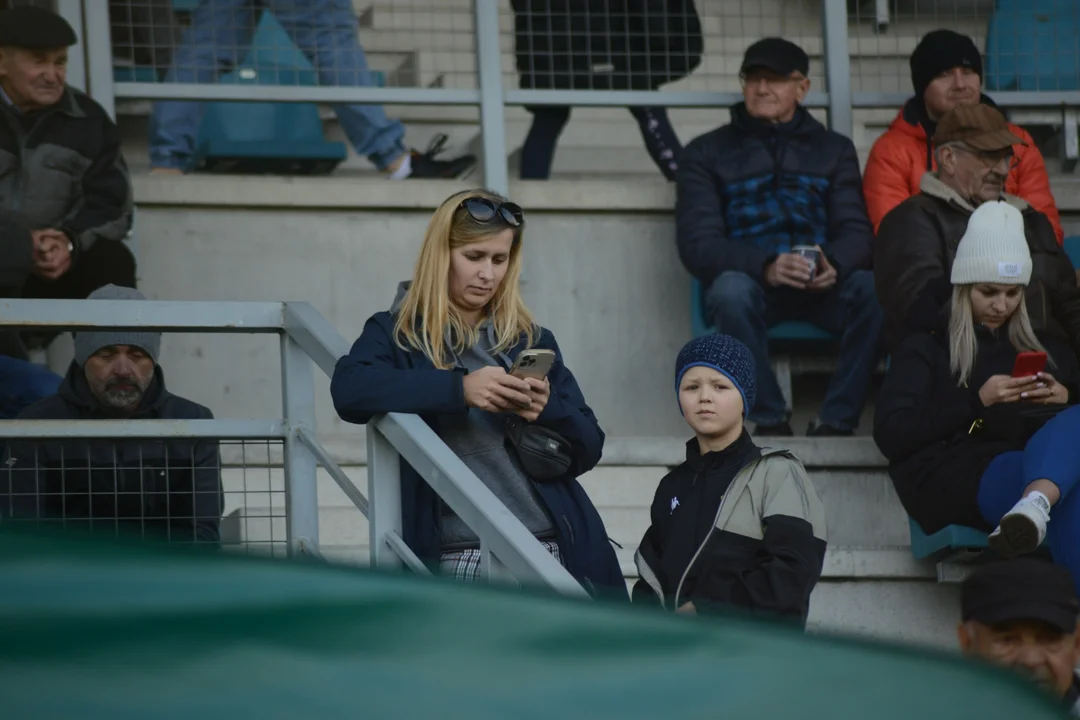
pixel 93 631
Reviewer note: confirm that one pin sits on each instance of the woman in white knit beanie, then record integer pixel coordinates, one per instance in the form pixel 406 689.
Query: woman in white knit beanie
pixel 968 443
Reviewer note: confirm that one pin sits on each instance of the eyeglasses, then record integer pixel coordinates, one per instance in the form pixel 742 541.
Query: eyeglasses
pixel 991 159
pixel 483 210
pixel 772 80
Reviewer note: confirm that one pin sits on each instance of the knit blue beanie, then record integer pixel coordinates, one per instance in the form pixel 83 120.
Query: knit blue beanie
pixel 725 355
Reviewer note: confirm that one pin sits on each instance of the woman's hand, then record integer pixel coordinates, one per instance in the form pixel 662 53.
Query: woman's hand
pixel 687 609
pixel 1059 394
pixel 1006 389
pixel 493 390
pixel 539 393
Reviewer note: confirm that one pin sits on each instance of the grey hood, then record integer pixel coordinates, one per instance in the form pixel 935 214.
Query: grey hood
pixel 487 329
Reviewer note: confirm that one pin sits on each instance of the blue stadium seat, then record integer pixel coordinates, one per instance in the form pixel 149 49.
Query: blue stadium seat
pixel 786 332
pixel 1071 245
pixel 1033 45
pixel 951 538
pixel 268 137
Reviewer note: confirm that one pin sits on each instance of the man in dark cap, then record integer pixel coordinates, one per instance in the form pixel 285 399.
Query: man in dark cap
pixel 1021 614
pixel 169 490
pixel 946 71
pixel 770 219
pixel 975 149
pixel 65 197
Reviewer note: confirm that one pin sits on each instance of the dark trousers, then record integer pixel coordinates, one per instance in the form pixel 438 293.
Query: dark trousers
pixel 1051 454
pixel 745 308
pixel 107 262
pixel 548 123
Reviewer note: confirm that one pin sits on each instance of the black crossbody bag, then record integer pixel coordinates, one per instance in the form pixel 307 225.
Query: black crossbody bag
pixel 543 453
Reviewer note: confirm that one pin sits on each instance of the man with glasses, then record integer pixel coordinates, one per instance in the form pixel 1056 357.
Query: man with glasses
pixel 946 71
pixel 975 152
pixel 770 218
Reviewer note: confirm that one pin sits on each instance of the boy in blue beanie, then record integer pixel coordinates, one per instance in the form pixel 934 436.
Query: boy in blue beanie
pixel 734 525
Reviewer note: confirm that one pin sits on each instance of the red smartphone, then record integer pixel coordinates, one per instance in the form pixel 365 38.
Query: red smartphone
pixel 1029 364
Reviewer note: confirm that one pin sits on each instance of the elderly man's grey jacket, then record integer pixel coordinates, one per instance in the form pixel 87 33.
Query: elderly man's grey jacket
pixel 61 168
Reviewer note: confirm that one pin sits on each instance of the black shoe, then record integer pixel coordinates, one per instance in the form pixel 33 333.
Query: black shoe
pixel 425 166
pixel 820 429
pixel 780 429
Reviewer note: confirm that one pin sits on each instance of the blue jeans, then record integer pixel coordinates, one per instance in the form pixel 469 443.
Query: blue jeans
pixel 220 33
pixel 1051 454
pixel 23 383
pixel 744 308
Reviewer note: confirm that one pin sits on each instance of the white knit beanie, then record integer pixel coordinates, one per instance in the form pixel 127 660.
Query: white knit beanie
pixel 994 248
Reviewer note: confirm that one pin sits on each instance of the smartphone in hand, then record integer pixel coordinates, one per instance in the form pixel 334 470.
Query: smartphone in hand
pixel 533 364
pixel 1029 364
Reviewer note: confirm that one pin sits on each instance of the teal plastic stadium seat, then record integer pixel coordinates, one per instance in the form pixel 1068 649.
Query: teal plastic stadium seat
pixel 1033 45
pixel 255 137
pixel 1071 245
pixel 953 537
pixel 785 332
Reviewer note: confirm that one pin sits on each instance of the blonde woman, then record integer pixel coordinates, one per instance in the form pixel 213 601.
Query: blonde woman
pixel 443 352
pixel 967 442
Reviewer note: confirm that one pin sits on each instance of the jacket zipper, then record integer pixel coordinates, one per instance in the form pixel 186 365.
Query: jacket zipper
pixel 716 520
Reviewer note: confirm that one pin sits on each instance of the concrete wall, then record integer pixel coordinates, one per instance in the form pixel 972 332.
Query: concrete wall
pixel 609 285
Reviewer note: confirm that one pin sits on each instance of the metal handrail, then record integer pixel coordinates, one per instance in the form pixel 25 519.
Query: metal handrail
pixel 308 339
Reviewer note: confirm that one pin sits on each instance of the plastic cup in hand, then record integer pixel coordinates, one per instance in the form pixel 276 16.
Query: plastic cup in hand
pixel 812 255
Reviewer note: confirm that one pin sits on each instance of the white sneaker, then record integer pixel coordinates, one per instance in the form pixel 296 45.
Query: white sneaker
pixel 1023 528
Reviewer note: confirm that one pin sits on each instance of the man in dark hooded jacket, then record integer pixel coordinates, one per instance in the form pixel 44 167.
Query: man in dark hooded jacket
pixel 160 489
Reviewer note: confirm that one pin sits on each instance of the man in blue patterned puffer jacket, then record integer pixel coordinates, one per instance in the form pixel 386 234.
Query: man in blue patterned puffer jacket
pixel 752 191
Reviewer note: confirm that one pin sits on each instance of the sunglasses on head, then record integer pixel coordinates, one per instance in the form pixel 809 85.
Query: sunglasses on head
pixel 483 210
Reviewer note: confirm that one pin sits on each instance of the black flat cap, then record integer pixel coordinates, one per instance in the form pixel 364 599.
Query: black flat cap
pixel 777 54
pixel 1021 589
pixel 34 28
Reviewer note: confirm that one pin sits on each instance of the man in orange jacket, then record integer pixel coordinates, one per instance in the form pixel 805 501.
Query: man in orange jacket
pixel 946 70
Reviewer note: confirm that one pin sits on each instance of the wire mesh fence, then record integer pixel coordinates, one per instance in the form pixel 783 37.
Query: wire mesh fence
pixel 579 44
pixel 260 42
pixel 228 493
pixel 1027 45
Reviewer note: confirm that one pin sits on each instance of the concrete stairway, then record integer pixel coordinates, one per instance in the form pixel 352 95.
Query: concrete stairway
pixel 871 585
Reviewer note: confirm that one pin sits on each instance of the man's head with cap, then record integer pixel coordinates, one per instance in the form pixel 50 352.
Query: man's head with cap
pixel 946 72
pixel 118 364
pixel 1022 614
pixel 973 146
pixel 34 46
pixel 715 380
pixel 774 75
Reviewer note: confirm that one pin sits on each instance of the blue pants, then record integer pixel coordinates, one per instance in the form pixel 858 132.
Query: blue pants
pixel 23 383
pixel 744 308
pixel 1052 453
pixel 218 39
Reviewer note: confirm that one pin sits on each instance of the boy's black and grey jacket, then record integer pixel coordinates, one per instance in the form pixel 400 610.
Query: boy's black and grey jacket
pixel 760 541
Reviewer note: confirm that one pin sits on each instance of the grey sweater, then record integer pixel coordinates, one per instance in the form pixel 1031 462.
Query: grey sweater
pixel 479 439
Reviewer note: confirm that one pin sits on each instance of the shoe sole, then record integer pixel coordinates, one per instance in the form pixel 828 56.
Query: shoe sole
pixel 1018 535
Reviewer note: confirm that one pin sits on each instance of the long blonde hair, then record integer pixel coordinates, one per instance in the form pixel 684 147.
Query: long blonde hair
pixel 426 319
pixel 962 343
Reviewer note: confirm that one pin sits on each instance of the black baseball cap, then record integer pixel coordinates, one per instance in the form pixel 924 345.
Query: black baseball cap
pixel 1020 589
pixel 776 54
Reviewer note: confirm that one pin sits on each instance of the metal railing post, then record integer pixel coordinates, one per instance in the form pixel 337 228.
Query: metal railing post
pixel 492 109
pixel 301 488
pixel 384 497
pixel 99 69
pixel 837 65
pixel 72 11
